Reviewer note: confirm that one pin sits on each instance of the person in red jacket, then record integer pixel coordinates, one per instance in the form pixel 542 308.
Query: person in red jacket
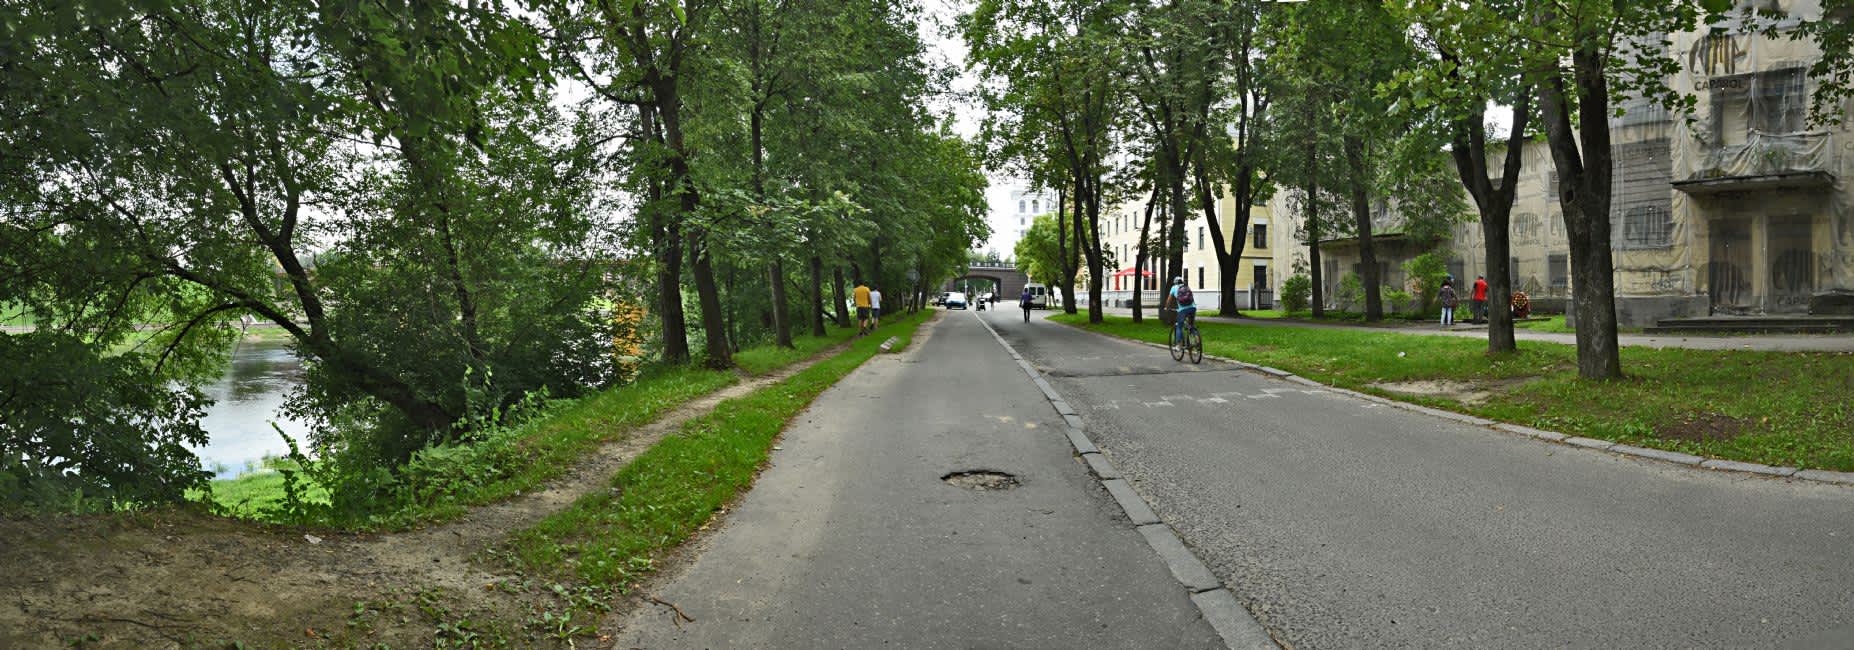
pixel 1480 299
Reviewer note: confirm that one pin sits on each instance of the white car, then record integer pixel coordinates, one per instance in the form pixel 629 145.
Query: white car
pixel 955 300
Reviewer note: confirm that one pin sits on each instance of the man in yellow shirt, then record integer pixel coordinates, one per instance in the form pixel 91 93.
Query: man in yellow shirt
pixel 862 308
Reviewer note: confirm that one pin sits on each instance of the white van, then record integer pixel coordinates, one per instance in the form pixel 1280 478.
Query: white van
pixel 1039 295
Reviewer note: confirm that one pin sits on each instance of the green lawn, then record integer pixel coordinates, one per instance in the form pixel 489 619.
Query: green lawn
pixel 1787 409
pixel 610 538
pixel 1553 323
pixel 524 458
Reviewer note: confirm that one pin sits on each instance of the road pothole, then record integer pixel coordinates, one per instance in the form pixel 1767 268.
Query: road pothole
pixel 982 480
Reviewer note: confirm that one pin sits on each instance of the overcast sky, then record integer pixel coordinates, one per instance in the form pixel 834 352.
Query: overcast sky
pixel 937 17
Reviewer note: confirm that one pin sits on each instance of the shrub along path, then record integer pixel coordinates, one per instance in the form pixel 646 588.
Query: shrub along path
pixel 180 578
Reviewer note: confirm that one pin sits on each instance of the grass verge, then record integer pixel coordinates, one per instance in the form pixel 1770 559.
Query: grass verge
pixel 612 538
pixel 1777 408
pixel 523 458
pixel 1553 323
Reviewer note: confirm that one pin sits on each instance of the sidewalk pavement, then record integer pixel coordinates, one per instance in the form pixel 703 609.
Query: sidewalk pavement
pixel 1759 342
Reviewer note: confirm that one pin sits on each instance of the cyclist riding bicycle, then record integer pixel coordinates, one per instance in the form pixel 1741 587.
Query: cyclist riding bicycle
pixel 1184 303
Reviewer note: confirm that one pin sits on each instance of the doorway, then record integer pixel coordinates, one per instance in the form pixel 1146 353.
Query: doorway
pixel 1728 272
pixel 1792 264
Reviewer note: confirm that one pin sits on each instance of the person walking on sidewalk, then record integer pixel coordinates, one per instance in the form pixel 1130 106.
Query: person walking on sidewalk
pixel 1480 299
pixel 861 297
pixel 1026 301
pixel 875 307
pixel 1448 302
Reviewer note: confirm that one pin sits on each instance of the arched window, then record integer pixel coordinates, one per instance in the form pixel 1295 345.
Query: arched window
pixel 1036 205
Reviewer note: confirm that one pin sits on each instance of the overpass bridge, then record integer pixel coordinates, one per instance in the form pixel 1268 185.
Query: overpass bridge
pixel 1008 280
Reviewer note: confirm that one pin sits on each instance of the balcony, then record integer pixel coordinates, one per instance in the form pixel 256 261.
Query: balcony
pixel 1766 162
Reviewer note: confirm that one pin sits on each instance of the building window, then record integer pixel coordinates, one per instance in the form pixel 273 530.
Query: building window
pixel 1647 226
pixel 1558 267
pixel 1200 279
pixel 1551 187
pixel 1641 195
pixel 1261 235
pixel 1261 277
pixel 1200 238
pixel 1020 205
pixel 1457 269
pixel 1036 205
pixel 1512 273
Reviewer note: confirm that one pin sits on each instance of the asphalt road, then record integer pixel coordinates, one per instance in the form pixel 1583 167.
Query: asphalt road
pixel 1340 523
pixel 850 539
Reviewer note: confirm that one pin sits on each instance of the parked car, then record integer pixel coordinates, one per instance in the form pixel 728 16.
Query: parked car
pixel 955 300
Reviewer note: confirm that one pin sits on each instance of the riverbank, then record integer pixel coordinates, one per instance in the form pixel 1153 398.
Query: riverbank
pixel 1775 408
pixel 179 577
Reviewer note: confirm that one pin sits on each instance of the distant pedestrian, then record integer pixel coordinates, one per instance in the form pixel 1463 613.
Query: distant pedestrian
pixel 1027 300
pixel 875 307
pixel 1480 299
pixel 861 297
pixel 1448 302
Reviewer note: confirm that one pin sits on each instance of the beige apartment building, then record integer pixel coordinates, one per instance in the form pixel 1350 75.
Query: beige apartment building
pixel 1744 209
pixel 1256 270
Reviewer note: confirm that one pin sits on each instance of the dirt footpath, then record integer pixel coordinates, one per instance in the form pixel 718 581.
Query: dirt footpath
pixel 180 578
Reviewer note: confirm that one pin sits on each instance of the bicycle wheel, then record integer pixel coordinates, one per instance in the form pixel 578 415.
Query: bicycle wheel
pixel 1195 344
pixel 1178 351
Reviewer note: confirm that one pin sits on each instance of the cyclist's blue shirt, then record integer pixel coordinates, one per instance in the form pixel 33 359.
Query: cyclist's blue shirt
pixel 1182 309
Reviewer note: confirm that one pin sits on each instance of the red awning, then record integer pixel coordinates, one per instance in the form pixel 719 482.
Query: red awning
pixel 1130 271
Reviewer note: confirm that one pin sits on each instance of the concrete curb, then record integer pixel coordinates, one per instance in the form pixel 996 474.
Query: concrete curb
pixel 1643 453
pixel 1238 629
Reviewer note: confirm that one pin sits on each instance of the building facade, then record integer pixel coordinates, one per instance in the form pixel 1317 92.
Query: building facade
pixel 1255 271
pixel 1739 208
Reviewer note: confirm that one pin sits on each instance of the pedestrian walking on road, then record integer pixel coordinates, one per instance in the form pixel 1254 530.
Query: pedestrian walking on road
pixel 861 297
pixel 1027 300
pixel 875 307
pixel 1480 299
pixel 1448 302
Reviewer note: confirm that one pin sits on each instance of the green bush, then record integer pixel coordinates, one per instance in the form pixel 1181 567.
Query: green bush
pixel 1396 300
pixel 1426 272
pixel 1351 292
pixel 1296 292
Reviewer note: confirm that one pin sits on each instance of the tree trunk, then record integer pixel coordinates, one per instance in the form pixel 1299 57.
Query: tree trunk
pixel 1583 187
pixel 816 303
pixel 1066 254
pixel 1139 258
pixel 1361 214
pixel 1229 252
pixel 666 234
pixel 1495 205
pixel 669 290
pixel 1087 235
pixel 1313 216
pixel 713 316
pixel 843 309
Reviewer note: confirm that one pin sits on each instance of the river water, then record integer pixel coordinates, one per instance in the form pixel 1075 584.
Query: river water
pixel 247 399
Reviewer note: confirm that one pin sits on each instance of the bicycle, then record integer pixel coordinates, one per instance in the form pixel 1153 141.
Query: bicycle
pixel 1185 338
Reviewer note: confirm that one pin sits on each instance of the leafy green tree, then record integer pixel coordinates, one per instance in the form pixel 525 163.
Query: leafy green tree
pixel 382 181
pixel 1459 94
pixel 1058 96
